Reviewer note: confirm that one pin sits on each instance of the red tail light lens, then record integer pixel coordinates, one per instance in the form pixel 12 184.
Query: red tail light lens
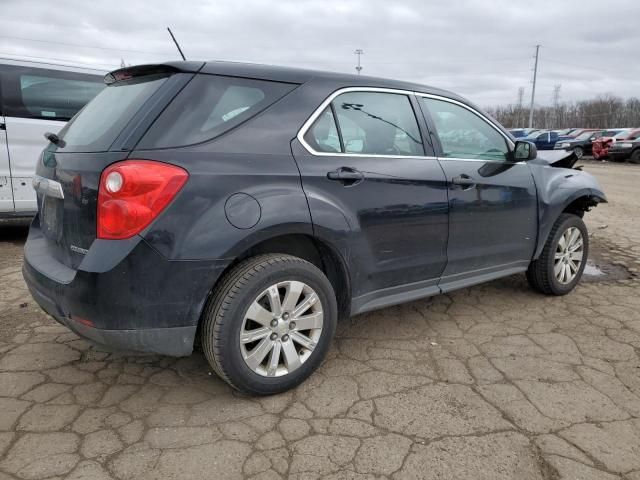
pixel 132 194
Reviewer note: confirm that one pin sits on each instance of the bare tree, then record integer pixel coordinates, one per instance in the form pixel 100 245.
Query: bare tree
pixel 604 111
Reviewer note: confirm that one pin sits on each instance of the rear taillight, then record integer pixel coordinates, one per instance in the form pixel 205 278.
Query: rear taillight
pixel 132 194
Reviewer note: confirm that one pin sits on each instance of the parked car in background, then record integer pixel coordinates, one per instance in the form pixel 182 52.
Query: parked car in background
pixel 545 140
pixel 601 145
pixel 566 131
pixel 518 132
pixel 583 143
pixel 35 98
pixel 579 131
pixel 255 205
pixel 623 150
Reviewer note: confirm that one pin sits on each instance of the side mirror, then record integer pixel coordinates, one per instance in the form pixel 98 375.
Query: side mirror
pixel 524 151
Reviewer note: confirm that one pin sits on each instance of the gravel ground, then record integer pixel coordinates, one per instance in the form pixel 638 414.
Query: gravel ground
pixel 491 382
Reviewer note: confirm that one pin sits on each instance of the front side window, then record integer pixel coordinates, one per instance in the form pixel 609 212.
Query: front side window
pixel 374 123
pixel 463 134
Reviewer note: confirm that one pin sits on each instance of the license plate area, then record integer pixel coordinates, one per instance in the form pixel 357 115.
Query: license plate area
pixel 51 217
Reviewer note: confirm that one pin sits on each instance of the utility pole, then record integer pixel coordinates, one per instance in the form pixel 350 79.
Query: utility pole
pixel 359 52
pixel 533 89
pixel 520 99
pixel 556 104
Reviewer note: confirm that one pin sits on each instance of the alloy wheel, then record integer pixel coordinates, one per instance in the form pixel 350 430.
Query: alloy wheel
pixel 568 256
pixel 281 328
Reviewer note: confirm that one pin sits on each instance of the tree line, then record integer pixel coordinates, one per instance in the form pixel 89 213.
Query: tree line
pixel 604 111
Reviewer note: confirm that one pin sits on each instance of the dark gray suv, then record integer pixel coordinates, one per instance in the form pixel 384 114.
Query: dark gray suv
pixel 249 207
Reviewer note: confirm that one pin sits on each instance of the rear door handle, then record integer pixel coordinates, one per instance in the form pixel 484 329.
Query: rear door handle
pixel 463 180
pixel 346 175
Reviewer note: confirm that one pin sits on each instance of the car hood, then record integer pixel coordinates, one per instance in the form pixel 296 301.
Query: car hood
pixel 557 158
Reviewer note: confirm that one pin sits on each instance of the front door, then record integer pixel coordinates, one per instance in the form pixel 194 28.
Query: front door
pixel 492 200
pixel 372 190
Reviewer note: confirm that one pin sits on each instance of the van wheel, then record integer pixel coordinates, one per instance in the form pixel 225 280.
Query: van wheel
pixel 269 323
pixel 635 156
pixel 560 266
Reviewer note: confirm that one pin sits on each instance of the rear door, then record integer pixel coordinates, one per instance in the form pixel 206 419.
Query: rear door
pixel 371 185
pixel 37 101
pixel 492 200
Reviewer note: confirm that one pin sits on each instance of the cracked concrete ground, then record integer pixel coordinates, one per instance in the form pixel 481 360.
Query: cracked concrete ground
pixel 491 382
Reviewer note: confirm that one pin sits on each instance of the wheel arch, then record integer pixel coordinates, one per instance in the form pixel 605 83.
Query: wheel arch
pixel 308 247
pixel 577 203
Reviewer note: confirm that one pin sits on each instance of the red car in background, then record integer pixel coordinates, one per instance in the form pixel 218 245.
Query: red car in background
pixel 602 144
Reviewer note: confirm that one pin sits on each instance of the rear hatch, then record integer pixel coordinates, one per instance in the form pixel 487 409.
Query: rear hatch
pixel 104 132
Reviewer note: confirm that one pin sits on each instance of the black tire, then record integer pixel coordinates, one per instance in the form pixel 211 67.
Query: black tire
pixel 635 156
pixel 540 273
pixel 224 313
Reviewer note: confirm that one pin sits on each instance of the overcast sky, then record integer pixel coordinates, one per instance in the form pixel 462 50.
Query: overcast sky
pixel 480 49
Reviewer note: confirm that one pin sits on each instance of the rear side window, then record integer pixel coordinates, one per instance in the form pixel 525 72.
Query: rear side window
pixel 100 122
pixel 367 123
pixel 209 106
pixel 46 94
pixel 323 135
pixel 376 123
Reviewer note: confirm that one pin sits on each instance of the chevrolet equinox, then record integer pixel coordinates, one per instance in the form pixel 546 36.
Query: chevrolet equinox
pixel 248 207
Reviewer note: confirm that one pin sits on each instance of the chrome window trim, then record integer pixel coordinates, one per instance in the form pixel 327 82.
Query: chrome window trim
pixel 307 125
pixel 472 110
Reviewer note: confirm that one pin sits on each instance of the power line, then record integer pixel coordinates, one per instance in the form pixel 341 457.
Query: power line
pixel 83 46
pixel 70 63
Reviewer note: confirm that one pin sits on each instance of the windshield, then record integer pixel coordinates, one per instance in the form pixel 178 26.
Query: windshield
pixel 584 136
pixel 623 134
pixel 98 124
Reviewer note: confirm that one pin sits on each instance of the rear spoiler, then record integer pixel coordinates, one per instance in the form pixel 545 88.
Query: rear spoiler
pixel 128 73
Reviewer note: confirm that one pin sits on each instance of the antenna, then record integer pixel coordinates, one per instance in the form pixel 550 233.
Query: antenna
pixel 176 42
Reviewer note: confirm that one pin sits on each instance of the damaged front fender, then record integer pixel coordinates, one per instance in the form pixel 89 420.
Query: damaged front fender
pixel 561 188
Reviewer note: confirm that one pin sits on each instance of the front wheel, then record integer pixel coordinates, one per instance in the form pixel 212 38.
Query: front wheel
pixel 269 324
pixel 559 268
pixel 635 156
pixel 579 151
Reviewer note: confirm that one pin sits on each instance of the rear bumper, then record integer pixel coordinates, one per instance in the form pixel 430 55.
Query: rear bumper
pixel 145 303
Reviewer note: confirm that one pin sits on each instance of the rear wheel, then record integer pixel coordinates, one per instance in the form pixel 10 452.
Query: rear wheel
pixel 635 156
pixel 560 266
pixel 269 323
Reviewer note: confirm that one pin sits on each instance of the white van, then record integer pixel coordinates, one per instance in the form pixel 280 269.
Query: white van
pixel 35 98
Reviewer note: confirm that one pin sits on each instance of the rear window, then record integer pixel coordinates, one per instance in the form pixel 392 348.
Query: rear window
pixel 100 122
pixel 209 106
